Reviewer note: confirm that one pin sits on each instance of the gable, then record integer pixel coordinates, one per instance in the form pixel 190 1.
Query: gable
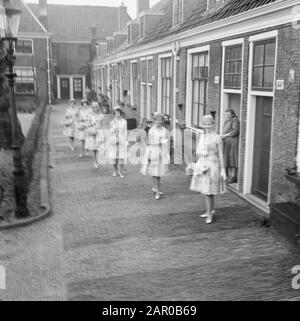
pixel 29 22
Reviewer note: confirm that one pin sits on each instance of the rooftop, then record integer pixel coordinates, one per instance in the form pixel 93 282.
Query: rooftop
pixel 74 23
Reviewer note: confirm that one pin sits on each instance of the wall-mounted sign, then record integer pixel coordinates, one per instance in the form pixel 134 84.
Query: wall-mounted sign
pixel 291 75
pixel 279 84
pixel 217 80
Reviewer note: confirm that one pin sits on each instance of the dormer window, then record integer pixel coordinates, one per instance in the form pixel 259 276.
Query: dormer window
pixel 177 11
pixel 133 31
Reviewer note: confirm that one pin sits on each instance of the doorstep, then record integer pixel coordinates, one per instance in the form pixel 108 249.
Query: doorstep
pixel 253 200
pixel 285 220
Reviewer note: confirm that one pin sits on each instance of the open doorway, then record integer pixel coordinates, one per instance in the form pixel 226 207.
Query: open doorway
pixel 231 101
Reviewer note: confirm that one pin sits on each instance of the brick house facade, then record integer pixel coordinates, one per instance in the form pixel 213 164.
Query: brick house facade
pixel 239 54
pixel 33 84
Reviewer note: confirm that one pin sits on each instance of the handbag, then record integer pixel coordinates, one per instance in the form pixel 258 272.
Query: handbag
pixel 198 168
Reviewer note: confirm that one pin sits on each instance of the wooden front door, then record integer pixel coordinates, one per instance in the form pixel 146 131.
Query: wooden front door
pixel 65 88
pixel 262 147
pixel 78 88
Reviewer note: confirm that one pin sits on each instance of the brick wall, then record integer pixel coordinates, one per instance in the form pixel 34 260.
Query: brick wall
pixel 71 57
pixel 39 62
pixel 286 114
pixel 214 90
pixel 286 107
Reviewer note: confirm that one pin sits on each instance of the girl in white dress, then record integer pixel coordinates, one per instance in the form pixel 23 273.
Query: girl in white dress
pixel 157 157
pixel 94 131
pixel 209 172
pixel 70 122
pixel 83 115
pixel 117 142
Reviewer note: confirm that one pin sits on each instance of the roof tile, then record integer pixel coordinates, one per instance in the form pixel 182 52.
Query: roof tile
pixel 198 18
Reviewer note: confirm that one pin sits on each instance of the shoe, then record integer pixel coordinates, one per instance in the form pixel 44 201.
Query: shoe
pixel 80 155
pixel 206 215
pixel 155 191
pixel 209 218
pixel 121 175
pixel 114 174
pixel 96 165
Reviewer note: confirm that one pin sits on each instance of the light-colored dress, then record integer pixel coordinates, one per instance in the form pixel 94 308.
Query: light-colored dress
pixel 207 177
pixel 70 122
pixel 94 131
pixel 117 141
pixel 157 156
pixel 83 116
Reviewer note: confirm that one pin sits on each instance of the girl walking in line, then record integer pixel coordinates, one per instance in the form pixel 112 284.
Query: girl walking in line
pixel 94 131
pixel 117 142
pixel 83 115
pixel 70 123
pixel 157 158
pixel 209 172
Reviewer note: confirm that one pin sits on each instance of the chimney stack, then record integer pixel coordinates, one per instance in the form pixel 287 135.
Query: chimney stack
pixel 93 49
pixel 122 17
pixel 142 5
pixel 43 13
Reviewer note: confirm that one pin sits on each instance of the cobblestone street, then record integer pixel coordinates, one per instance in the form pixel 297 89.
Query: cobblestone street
pixel 108 239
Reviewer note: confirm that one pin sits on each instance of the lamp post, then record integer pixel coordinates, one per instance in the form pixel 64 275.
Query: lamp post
pixel 9 25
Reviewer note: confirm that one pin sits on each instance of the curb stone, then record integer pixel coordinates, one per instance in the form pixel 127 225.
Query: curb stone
pixel 44 181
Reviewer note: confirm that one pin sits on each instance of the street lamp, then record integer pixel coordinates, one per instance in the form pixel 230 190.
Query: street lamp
pixel 9 25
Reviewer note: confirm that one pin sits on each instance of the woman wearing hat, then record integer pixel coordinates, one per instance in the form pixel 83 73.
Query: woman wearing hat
pixel 70 122
pixel 230 136
pixel 83 115
pixel 209 171
pixel 117 142
pixel 157 157
pixel 94 131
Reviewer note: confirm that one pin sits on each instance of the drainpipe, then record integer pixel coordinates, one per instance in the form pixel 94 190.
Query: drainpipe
pixel 175 51
pixel 49 72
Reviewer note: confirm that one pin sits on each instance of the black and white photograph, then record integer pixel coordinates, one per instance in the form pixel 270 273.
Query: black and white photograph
pixel 149 152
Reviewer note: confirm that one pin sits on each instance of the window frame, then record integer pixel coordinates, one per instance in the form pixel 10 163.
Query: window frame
pixel 22 53
pixel 227 87
pixel 188 98
pixel 199 81
pixel 33 69
pixel 133 81
pixel 166 85
pixel 263 42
